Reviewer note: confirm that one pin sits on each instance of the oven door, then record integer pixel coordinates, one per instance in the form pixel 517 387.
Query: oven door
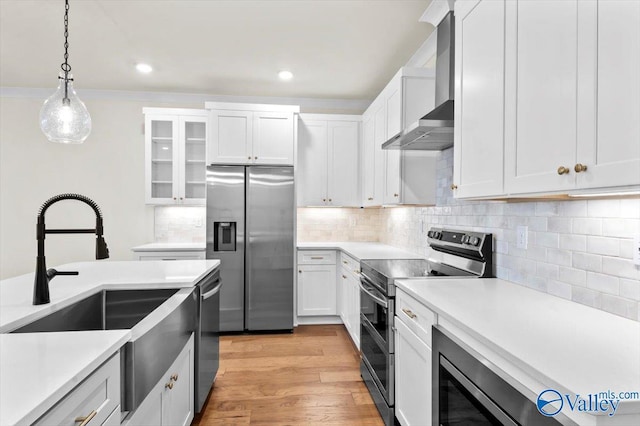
pixel 376 312
pixel 377 360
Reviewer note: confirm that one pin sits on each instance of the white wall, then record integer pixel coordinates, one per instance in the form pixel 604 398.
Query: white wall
pixel 108 168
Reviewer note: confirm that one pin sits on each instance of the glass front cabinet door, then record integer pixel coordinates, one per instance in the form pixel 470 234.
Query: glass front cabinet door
pixel 175 142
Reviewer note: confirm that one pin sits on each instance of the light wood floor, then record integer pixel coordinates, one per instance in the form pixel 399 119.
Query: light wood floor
pixel 308 377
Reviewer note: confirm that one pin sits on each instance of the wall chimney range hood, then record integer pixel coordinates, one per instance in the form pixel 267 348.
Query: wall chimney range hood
pixel 434 131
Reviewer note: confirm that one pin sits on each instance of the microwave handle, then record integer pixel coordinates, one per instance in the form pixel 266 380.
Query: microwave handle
pixel 373 296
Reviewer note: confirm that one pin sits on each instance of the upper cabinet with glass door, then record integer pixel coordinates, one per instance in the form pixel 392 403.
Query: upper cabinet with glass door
pixel 175 156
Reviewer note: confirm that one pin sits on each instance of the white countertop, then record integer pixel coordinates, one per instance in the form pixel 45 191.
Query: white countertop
pixel 16 294
pixel 564 345
pixel 170 247
pixel 38 369
pixel 362 250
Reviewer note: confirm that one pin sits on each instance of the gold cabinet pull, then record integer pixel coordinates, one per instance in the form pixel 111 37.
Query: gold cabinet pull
pixel 580 168
pixel 168 385
pixel 317 257
pixel 84 420
pixel 174 377
pixel 409 313
pixel 370 198
pixel 562 170
pixel 344 261
pixel 454 186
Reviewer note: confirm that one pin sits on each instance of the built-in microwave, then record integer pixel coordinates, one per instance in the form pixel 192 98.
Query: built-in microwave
pixel 467 390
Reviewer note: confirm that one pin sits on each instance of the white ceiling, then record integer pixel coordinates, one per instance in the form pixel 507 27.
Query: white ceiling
pixel 340 49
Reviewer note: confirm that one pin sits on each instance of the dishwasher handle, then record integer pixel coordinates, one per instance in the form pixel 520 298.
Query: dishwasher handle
pixel 213 291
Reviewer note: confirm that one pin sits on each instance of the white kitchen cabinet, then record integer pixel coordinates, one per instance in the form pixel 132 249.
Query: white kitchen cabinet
pixel 98 397
pixel 479 107
pixel 609 94
pixel 413 377
pixel 572 96
pixel 328 166
pixel 413 323
pixel 175 166
pixel 317 290
pixel 250 134
pixel 349 281
pixel 170 402
pixel 317 283
pixel 407 97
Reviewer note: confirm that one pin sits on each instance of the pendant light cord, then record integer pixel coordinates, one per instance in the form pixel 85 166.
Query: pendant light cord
pixel 66 68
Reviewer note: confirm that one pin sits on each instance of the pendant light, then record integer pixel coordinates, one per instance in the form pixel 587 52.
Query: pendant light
pixel 64 117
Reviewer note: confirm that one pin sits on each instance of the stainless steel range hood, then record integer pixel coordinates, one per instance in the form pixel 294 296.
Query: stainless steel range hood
pixel 434 131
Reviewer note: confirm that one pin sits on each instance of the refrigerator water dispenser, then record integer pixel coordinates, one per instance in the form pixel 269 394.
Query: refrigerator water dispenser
pixel 225 236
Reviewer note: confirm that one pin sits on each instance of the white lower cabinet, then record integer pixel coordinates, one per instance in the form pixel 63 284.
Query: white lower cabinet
pixel 96 399
pixel 413 324
pixel 170 402
pixel 317 290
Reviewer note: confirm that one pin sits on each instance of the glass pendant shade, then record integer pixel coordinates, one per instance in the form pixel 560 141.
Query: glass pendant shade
pixel 65 119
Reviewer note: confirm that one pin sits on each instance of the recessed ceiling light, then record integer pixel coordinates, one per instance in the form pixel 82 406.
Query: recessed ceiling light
pixel 285 75
pixel 144 68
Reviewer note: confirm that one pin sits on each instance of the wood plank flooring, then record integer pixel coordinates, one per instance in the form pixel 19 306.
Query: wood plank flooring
pixel 307 377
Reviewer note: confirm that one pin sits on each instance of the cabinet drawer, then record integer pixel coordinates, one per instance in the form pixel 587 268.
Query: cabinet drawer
pixel 415 315
pixel 350 264
pixel 182 255
pixel 99 393
pixel 310 257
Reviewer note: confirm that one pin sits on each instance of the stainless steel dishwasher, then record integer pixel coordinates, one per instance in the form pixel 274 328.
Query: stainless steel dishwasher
pixel 207 345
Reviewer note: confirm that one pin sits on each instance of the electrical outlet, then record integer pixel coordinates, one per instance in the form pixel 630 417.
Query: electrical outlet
pixel 522 238
pixel 636 250
pixel 198 222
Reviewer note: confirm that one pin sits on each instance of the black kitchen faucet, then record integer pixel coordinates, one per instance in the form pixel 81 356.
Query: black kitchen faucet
pixel 41 283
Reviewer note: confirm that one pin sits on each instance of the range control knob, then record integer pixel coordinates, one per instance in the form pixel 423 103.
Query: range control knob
pixel 430 234
pixel 437 235
pixel 464 239
pixel 474 241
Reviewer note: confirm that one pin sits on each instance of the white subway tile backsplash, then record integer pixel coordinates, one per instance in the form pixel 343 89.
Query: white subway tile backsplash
pixel 576 277
pixel 587 261
pixel 573 242
pixel 559 257
pixel 630 208
pixel 546 209
pixel 559 224
pixel 587 297
pixel 623 268
pixel 623 228
pixel 630 289
pixel 547 239
pixel 620 306
pixel 547 270
pixel 587 226
pixel 577 208
pixel 603 208
pixel 603 283
pixel 603 245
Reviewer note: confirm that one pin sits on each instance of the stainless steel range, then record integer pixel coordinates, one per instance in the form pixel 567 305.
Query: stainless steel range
pixel 454 253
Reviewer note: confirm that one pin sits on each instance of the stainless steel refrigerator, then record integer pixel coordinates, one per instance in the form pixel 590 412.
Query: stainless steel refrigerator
pixel 250 218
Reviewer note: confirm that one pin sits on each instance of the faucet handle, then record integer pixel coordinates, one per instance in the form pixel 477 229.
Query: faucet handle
pixel 53 272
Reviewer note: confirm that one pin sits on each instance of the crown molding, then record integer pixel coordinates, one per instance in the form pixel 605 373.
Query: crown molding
pixel 306 104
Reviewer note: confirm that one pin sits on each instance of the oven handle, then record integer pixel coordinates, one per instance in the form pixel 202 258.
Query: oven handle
pixel 373 296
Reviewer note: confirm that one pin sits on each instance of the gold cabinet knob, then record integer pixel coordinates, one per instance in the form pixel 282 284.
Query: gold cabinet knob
pixel 168 385
pixel 249 157
pixel 174 198
pixel 344 276
pixel 329 199
pixel 562 170
pixel 255 158
pixel 370 198
pixel 580 168
pixel 174 377
pixel 395 195
pixel 299 271
pixel 454 186
pixel 324 199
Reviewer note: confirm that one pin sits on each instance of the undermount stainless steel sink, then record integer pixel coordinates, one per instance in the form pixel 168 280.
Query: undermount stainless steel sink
pixel 161 321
